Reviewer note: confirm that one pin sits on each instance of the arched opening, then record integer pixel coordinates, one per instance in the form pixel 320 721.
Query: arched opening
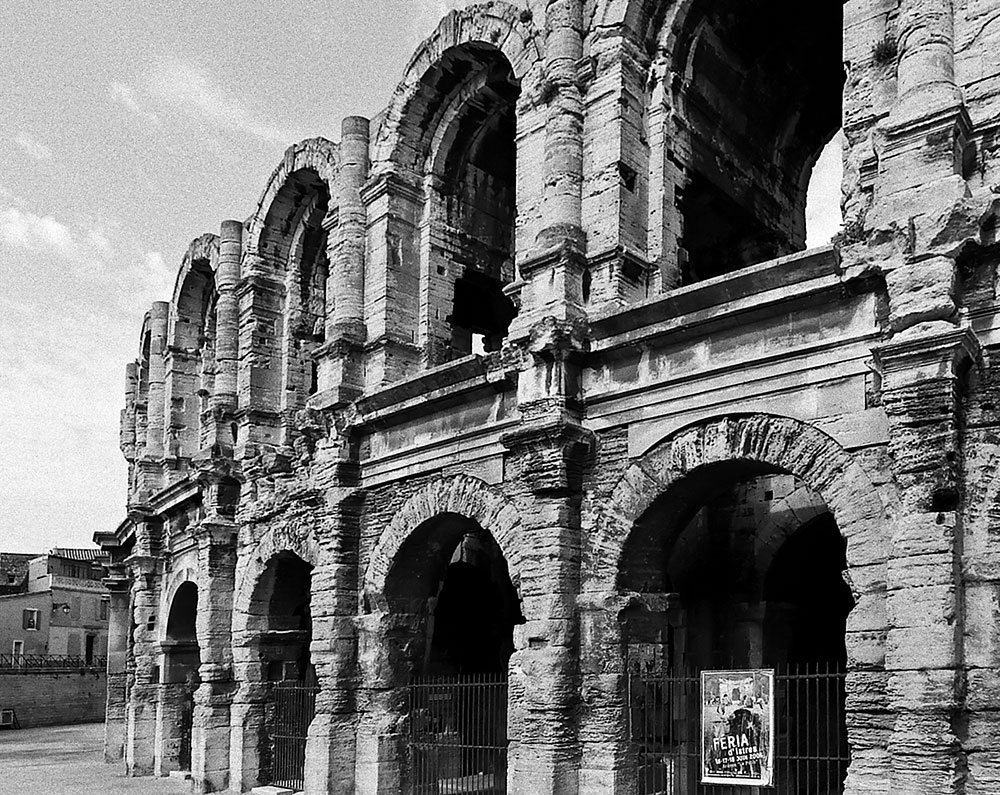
pixel 824 215
pixel 307 269
pixel 758 88
pixel 294 245
pixel 181 657
pixel 282 601
pixel 451 579
pixel 738 567
pixel 192 359
pixel 468 154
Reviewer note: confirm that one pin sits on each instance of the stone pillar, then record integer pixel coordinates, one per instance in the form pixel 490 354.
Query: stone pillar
pixel 564 124
pixel 393 208
pixel 331 748
pixel 140 739
pixel 227 316
pixel 380 750
pixel 553 271
pixel 216 538
pixel 923 392
pixel 340 358
pixel 118 648
pixel 547 454
pixel 260 294
pixel 156 407
pixel 926 66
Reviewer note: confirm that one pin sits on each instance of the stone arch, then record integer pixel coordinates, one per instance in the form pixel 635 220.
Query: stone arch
pixel 193 287
pixel 771 440
pixel 497 24
pixel 258 566
pixel 317 155
pixel 174 583
pixel 253 563
pixel 461 494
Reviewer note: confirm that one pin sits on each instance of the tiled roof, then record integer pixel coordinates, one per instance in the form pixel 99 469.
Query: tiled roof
pixel 76 554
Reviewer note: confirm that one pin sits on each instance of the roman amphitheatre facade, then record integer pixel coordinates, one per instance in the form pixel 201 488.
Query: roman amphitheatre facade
pixel 503 417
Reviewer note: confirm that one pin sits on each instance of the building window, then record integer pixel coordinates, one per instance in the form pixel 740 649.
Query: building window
pixel 17 651
pixel 102 610
pixel 30 620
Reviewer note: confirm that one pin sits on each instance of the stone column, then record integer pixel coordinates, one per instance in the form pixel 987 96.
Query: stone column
pixel 216 538
pixel 227 318
pixel 149 476
pixel 118 648
pixel 926 65
pixel 564 125
pixel 156 409
pixel 922 396
pixel 380 766
pixel 340 358
pixel 547 454
pixel 331 747
pixel 140 739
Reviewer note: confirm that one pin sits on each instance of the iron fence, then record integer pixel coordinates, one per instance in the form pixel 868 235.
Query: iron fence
pixel 186 730
pixel 811 750
pixel 292 706
pixel 31 662
pixel 458 735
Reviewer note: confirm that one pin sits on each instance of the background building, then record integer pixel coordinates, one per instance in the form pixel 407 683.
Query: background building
pixel 54 638
pixel 61 607
pixel 499 421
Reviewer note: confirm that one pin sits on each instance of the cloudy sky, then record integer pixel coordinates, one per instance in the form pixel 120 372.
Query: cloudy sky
pixel 126 130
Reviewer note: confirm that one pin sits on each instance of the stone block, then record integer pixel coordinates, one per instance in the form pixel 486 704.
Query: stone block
pixel 921 291
pixel 929 606
pixel 911 648
pixel 926 690
pixel 982 624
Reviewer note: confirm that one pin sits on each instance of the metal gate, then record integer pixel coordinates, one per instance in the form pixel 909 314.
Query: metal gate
pixel 458 735
pixel 291 710
pixel 811 750
pixel 186 728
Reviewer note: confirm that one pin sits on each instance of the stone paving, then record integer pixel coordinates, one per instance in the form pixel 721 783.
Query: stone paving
pixel 68 760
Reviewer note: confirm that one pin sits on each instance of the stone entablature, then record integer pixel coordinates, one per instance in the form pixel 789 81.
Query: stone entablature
pixel 548 319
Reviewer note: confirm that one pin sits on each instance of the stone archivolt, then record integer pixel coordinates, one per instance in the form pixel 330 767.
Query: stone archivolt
pixel 528 379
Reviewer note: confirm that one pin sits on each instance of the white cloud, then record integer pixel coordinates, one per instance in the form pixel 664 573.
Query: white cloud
pixel 43 234
pixel 32 147
pixel 192 90
pixel 125 96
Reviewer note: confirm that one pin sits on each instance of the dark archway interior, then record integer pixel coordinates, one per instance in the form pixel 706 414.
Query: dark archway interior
pixel 452 573
pixel 183 614
pixel 761 95
pixel 285 588
pixel 743 564
pixel 470 99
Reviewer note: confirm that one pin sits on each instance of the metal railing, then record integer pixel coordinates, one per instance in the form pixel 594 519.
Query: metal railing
pixel 458 735
pixel 291 708
pixel 811 749
pixel 34 662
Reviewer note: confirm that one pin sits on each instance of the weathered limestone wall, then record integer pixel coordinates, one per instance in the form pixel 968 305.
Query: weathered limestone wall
pixel 661 153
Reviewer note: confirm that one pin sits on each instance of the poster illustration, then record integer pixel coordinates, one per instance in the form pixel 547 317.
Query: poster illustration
pixel 737 727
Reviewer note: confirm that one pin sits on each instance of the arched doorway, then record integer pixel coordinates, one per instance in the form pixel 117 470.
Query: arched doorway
pixel 180 659
pixel 289 695
pixel 451 578
pixel 737 568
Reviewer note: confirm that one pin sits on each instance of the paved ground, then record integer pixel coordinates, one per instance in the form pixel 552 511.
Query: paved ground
pixel 68 760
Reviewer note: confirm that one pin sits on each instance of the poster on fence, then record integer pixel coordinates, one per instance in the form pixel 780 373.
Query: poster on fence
pixel 737 727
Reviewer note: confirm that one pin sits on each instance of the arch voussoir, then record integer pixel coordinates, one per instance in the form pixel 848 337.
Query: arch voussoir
pixel 460 494
pixel 770 440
